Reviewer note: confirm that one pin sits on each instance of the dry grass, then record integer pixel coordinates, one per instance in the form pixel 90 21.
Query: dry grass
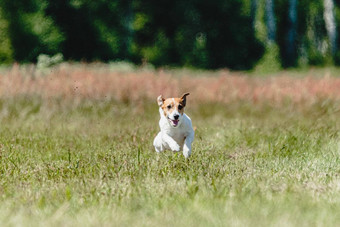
pixel 87 82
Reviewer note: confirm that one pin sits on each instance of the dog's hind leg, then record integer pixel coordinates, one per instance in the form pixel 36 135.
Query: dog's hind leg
pixel 187 144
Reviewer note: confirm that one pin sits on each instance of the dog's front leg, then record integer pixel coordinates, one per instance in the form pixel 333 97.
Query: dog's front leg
pixel 187 144
pixel 157 143
pixel 171 142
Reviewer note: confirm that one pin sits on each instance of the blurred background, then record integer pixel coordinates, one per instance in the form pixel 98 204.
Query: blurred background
pixel 234 34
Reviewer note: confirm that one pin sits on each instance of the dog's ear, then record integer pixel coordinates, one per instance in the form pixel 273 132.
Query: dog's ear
pixel 184 98
pixel 160 100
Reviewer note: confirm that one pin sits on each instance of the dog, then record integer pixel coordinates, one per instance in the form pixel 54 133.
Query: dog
pixel 176 132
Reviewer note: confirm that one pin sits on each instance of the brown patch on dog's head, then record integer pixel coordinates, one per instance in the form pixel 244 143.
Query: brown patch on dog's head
pixel 181 102
pixel 169 106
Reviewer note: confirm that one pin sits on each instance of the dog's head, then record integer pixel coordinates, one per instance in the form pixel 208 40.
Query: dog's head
pixel 173 108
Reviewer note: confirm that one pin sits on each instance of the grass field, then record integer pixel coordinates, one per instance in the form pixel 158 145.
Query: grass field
pixel 76 150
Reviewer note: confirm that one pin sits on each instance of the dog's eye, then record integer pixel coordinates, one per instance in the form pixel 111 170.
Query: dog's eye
pixel 180 107
pixel 169 107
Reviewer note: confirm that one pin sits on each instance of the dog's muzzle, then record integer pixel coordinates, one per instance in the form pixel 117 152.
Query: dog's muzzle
pixel 174 123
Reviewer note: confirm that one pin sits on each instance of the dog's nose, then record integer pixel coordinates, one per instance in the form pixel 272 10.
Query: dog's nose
pixel 176 117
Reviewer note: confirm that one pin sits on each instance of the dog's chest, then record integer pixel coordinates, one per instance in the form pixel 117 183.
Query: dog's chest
pixel 178 135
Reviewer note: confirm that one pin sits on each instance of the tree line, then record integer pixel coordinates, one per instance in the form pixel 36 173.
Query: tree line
pixel 197 33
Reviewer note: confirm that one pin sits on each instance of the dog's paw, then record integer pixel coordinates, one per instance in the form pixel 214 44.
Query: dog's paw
pixel 174 147
pixel 186 151
pixel 158 149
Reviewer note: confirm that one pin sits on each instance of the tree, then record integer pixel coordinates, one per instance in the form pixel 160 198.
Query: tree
pixel 30 30
pixel 291 33
pixel 253 10
pixel 329 18
pixel 6 50
pixel 270 21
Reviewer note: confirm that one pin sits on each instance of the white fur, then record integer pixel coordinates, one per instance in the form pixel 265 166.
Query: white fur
pixel 174 138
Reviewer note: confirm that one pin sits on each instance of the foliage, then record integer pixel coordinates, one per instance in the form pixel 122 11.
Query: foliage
pixel 160 32
pixel 6 51
pixel 30 30
pixel 192 33
pixel 45 61
pixel 270 62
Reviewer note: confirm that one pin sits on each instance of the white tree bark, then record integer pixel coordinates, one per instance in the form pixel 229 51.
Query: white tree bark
pixel 329 18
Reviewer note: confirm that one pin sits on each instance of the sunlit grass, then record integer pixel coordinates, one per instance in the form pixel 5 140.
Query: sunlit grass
pixel 93 164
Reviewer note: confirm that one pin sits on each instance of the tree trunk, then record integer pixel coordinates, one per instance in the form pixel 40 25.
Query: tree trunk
pixel 128 29
pixel 270 21
pixel 253 9
pixel 291 34
pixel 329 18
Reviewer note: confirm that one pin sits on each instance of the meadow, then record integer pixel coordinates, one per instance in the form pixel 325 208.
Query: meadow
pixel 76 148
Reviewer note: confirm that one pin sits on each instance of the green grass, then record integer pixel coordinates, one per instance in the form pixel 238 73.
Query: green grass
pixel 93 164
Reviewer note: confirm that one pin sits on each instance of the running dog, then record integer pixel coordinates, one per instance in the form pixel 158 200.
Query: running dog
pixel 177 133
